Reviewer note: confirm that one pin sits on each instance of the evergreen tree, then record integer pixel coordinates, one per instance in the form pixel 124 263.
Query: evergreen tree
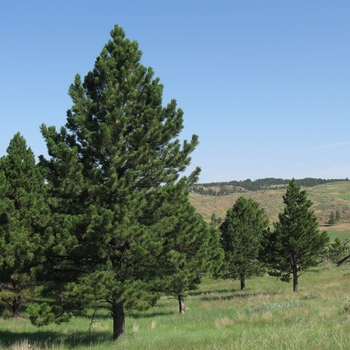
pixel 192 250
pixel 338 250
pixel 337 215
pixel 241 233
pixel 296 244
pixel 215 221
pixel 331 220
pixel 23 216
pixel 114 169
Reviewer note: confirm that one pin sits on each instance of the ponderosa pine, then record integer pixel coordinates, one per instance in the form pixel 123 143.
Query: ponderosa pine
pixel 23 217
pixel 241 234
pixel 192 250
pixel 113 170
pixel 295 244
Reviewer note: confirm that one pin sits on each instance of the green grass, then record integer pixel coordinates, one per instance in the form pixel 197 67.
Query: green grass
pixel 268 315
pixel 334 233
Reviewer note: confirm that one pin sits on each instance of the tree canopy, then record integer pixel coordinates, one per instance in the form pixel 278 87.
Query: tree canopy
pixel 114 171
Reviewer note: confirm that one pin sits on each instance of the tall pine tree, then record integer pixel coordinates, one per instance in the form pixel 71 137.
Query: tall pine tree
pixel 23 218
pixel 113 170
pixel 296 244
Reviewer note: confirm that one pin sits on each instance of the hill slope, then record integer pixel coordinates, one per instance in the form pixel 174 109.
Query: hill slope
pixel 326 198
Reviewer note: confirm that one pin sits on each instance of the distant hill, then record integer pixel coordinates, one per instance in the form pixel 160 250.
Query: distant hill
pixel 328 196
pixel 225 188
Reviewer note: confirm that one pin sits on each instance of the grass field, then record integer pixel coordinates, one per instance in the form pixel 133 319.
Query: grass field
pixel 267 315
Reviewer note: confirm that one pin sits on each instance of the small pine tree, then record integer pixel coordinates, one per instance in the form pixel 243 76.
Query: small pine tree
pixel 296 244
pixel 192 250
pixel 337 216
pixel 331 220
pixel 241 233
pixel 23 216
pixel 337 250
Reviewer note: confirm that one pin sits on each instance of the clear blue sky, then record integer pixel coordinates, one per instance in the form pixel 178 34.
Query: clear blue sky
pixel 265 84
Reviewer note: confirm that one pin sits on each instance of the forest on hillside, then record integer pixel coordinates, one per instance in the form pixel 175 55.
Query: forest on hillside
pixel 225 188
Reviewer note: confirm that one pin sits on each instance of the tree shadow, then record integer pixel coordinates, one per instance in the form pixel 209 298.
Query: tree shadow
pixel 130 314
pixel 235 296
pixel 150 315
pixel 220 291
pixel 48 339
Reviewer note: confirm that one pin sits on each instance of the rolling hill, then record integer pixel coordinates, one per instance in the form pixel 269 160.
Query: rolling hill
pixel 326 198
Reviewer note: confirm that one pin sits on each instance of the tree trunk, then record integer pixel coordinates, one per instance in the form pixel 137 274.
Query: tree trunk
pixel 243 283
pixel 16 306
pixel 295 281
pixel 118 320
pixel 182 306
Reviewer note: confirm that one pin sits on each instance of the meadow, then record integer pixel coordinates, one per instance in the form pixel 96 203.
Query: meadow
pixel 267 315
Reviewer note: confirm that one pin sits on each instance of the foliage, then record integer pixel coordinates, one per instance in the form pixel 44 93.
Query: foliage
pixel 331 220
pixel 114 170
pixel 241 233
pixel 192 249
pixel 337 250
pixel 296 244
pixel 23 217
pixel 334 218
pixel 215 221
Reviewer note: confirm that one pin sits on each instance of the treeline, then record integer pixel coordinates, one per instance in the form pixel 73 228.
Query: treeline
pixel 210 189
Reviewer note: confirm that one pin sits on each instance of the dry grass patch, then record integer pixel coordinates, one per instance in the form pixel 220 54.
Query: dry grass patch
pixel 223 322
pixel 266 316
pixel 21 345
pixel 241 318
pixel 328 314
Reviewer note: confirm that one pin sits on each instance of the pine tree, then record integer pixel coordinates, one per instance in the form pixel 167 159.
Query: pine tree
pixel 296 244
pixel 192 250
pixel 241 233
pixel 113 169
pixel 331 220
pixel 337 216
pixel 338 250
pixel 23 216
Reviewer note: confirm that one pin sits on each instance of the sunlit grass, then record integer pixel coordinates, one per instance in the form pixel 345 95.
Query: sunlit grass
pixel 267 315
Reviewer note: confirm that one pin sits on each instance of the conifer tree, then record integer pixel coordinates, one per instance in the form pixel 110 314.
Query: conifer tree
pixel 337 216
pixel 337 250
pixel 192 250
pixel 23 216
pixel 331 220
pixel 296 244
pixel 113 169
pixel 241 233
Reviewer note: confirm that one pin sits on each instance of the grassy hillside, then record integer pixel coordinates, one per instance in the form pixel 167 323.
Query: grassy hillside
pixel 326 198
pixel 266 316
